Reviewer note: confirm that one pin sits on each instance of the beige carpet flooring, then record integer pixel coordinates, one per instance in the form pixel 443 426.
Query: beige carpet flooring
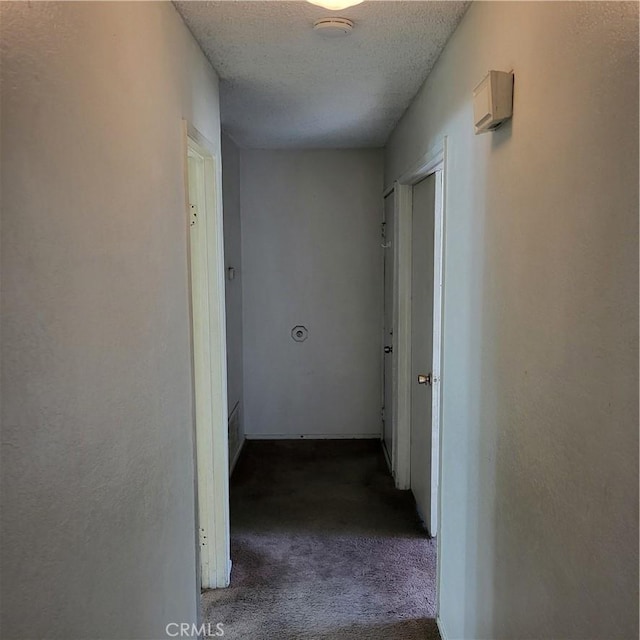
pixel 324 548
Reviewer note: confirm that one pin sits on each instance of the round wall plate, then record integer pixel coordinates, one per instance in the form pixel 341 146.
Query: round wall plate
pixel 299 333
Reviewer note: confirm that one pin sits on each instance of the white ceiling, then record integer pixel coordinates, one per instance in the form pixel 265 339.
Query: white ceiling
pixel 285 86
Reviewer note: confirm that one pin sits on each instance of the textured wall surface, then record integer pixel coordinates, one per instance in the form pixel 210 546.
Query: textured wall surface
pixel 233 259
pixel 539 531
pixel 98 523
pixel 285 86
pixel 311 256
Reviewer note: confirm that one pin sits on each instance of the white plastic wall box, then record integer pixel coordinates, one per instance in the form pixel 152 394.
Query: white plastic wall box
pixel 492 101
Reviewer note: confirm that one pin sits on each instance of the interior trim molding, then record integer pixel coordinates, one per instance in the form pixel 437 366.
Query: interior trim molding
pixel 205 255
pixel 236 456
pixel 440 624
pixel 387 457
pixel 428 163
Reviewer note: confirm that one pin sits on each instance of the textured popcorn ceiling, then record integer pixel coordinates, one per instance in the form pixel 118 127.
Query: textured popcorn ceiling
pixel 285 86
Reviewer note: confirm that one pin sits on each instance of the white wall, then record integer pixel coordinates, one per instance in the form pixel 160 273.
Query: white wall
pixel 311 256
pixel 98 522
pixel 540 443
pixel 233 290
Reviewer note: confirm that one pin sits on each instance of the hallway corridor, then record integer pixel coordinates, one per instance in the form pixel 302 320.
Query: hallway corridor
pixel 324 548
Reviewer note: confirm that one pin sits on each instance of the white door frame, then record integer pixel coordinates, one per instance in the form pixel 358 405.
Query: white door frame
pixel 387 417
pixel 207 286
pixel 432 162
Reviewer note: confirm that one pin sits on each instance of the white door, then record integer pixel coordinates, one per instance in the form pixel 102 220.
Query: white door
pixel 388 245
pixel 422 306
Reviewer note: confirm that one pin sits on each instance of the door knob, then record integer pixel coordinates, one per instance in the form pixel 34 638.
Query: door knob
pixel 388 349
pixel 422 379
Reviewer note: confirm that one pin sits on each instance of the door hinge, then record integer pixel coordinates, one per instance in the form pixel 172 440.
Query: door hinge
pixel 384 245
pixel 203 538
pixel 193 214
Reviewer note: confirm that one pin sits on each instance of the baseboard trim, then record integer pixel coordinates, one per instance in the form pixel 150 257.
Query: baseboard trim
pixel 312 436
pixel 387 458
pixel 443 635
pixel 232 466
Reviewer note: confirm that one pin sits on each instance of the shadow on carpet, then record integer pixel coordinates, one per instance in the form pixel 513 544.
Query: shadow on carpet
pixel 324 548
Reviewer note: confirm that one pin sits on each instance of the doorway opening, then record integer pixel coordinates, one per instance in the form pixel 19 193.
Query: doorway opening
pixel 417 204
pixel 388 231
pixel 316 519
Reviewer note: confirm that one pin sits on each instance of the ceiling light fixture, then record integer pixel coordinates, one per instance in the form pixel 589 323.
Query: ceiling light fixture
pixel 333 27
pixel 335 5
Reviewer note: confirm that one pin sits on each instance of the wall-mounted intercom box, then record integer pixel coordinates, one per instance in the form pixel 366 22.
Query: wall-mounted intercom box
pixel 492 101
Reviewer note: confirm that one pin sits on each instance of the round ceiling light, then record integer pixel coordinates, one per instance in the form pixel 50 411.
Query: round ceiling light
pixel 333 27
pixel 335 5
